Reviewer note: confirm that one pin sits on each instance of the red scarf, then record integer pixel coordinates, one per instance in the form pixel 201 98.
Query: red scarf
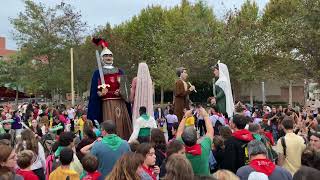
pixel 92 176
pixel 243 135
pixel 194 150
pixel 263 165
pixel 270 137
pixel 149 171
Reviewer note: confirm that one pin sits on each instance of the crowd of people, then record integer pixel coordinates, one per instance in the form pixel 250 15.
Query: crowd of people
pixel 59 142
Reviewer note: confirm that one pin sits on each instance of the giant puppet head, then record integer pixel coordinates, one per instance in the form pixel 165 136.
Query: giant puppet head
pixel 182 73
pixel 215 70
pixel 106 55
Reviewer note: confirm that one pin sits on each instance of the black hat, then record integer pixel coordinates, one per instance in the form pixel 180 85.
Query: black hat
pixel 216 66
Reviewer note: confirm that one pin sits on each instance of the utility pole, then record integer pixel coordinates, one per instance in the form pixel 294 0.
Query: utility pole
pixel 290 92
pixel 72 78
pixel 263 93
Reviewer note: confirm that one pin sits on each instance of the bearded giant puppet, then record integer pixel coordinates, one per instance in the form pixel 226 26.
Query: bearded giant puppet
pixel 109 92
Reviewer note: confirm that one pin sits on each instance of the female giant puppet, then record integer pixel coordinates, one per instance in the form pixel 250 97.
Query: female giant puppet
pixel 109 93
pixel 222 90
pixel 142 92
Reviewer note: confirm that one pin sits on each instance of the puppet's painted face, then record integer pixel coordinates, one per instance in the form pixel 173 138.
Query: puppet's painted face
pixel 216 72
pixel 184 75
pixel 107 59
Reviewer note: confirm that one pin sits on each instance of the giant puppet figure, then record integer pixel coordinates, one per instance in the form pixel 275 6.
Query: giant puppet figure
pixel 142 92
pixel 181 93
pixel 109 93
pixel 222 90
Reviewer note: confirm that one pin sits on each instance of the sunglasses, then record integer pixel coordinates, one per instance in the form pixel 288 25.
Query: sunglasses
pixel 107 55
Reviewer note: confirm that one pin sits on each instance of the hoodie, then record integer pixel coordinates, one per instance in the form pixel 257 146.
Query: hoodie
pixel 60 173
pixel 92 176
pixel 243 135
pixel 109 149
pixel 234 155
pixel 112 141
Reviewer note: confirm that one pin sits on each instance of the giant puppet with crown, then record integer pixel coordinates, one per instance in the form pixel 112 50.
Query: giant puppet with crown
pixel 109 92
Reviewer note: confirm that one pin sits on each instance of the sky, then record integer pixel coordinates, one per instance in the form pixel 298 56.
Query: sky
pixel 99 12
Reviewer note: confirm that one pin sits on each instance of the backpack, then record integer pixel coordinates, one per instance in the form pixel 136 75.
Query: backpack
pixel 284 146
pixel 52 163
pixel 272 154
pixel 246 153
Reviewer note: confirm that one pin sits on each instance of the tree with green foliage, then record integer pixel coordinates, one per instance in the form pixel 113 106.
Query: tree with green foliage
pixel 12 74
pixel 242 47
pixel 47 33
pixel 281 43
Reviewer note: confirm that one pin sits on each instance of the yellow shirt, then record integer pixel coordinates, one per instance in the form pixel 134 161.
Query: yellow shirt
pixel 190 121
pixel 294 148
pixel 60 174
pixel 80 124
pixel 50 122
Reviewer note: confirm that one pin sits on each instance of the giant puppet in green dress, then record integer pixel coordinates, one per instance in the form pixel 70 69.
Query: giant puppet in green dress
pixel 222 90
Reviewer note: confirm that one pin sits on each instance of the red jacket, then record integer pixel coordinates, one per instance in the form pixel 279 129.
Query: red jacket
pixel 92 176
pixel 27 175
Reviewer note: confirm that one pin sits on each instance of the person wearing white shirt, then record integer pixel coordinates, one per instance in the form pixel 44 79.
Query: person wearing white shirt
pixel 217 120
pixel 71 114
pixel 171 118
pixel 142 126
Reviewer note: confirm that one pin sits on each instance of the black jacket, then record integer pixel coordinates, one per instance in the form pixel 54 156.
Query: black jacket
pixel 233 157
pixel 160 156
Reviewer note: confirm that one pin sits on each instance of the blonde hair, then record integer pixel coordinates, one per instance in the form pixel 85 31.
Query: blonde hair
pixel 6 174
pixel 5 153
pixel 126 167
pixel 225 175
pixel 178 167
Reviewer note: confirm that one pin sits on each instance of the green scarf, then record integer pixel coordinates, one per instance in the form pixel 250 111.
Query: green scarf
pixel 113 141
pixel 57 153
pixel 257 136
pixel 56 128
pixel 2 131
pixel 145 117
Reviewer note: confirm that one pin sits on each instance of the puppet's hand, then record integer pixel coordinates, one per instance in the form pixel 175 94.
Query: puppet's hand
pixel 103 92
pixel 117 92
